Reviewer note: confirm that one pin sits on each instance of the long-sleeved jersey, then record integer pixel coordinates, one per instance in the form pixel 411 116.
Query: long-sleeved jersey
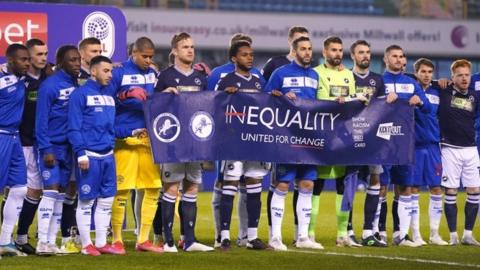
pixel 184 82
pixel 27 127
pixel 405 87
pixel 91 118
pixel 221 71
pixel 251 83
pixel 334 83
pixel 12 95
pixel 294 78
pixel 52 110
pixel 475 83
pixel 427 130
pixel 458 114
pixel 129 114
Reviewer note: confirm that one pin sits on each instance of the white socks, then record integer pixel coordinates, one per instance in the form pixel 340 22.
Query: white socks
pixel 277 207
pixel 84 215
pixel 435 211
pixel 45 214
pixel 103 216
pixel 404 214
pixel 56 219
pixel 11 211
pixel 304 210
pixel 415 216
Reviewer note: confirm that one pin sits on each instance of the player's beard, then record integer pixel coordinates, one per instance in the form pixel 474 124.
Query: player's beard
pixel 306 61
pixel 364 64
pixel 334 61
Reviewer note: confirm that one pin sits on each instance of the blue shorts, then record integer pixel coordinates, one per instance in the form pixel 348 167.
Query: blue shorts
pixel 290 172
pixel 99 181
pixel 13 170
pixel 428 166
pixel 398 175
pixel 60 173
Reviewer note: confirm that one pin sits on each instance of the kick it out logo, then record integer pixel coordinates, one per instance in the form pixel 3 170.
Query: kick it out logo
pixel 386 130
pixel 166 127
pixel 100 25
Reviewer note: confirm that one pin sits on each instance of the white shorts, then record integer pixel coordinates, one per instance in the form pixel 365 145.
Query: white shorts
pixel 176 172
pixel 34 180
pixel 233 170
pixel 460 164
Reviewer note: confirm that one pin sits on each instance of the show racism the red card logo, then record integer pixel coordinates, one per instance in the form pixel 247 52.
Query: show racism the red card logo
pixel 18 27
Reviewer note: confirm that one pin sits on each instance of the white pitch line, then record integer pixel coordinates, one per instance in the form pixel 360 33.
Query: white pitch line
pixel 404 259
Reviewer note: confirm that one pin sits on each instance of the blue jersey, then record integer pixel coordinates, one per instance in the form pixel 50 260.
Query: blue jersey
pixel 294 78
pixel 244 84
pixel 91 118
pixel 27 127
pixel 475 86
pixel 52 110
pixel 129 114
pixel 274 63
pixel 191 81
pixel 427 130
pixel 370 83
pixel 405 87
pixel 12 95
pixel 457 116
pixel 475 83
pixel 221 71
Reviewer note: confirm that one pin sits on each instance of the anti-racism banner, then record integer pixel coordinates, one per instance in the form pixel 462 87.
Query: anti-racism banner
pixel 60 24
pixel 249 126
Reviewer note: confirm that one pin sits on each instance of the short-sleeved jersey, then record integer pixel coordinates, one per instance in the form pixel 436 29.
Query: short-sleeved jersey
pixel 191 81
pixel 220 71
pixel 334 83
pixel 274 63
pixel 457 114
pixel 303 81
pixel 27 127
pixel 369 84
pixel 244 84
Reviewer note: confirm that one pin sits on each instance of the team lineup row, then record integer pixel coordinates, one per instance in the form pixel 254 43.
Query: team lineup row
pixel 84 117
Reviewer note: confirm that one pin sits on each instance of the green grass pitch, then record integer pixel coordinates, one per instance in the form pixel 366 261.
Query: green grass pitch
pixel 429 257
